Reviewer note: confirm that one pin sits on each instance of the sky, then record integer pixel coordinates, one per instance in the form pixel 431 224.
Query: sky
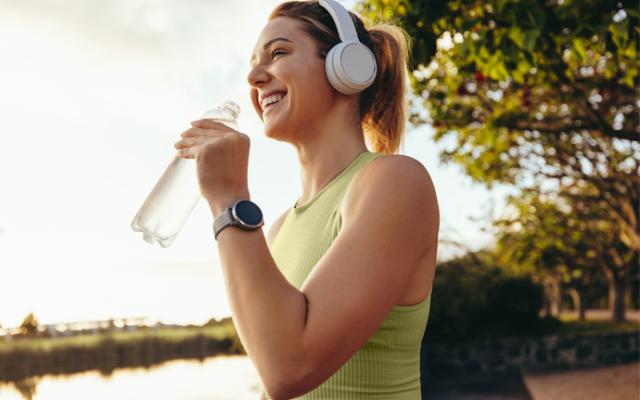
pixel 93 96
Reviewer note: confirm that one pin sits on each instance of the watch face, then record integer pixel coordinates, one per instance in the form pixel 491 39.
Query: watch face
pixel 248 212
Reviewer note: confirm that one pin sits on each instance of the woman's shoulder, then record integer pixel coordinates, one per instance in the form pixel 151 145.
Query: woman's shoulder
pixel 397 163
pixel 393 181
pixel 389 171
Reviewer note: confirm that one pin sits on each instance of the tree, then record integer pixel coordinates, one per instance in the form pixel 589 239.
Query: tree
pixel 553 240
pixel 27 387
pixel 537 94
pixel 29 325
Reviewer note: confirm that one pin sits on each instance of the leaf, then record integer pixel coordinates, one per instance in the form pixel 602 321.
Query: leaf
pixel 516 36
pixel 530 38
pixel 578 46
pixel 629 77
pixel 484 53
pixel 619 33
pixel 500 5
pixel 631 50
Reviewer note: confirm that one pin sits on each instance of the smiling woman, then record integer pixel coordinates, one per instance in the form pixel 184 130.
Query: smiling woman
pixel 334 302
pixel 379 110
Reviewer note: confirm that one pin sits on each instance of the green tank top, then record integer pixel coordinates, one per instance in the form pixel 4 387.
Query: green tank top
pixel 388 365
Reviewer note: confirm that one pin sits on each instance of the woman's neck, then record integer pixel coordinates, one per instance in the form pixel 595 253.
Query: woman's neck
pixel 323 159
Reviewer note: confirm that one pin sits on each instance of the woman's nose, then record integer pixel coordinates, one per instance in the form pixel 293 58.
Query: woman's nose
pixel 257 76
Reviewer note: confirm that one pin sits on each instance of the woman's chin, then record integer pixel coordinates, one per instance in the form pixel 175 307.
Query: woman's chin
pixel 270 129
pixel 272 123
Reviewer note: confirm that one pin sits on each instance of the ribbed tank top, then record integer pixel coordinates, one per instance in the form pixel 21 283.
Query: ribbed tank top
pixel 388 365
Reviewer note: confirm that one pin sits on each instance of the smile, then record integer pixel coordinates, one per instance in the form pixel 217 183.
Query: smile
pixel 271 106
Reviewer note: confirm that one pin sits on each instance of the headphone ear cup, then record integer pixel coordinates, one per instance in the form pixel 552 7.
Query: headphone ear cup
pixel 350 67
pixel 332 75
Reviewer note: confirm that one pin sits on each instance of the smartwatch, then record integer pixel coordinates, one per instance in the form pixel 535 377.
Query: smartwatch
pixel 244 214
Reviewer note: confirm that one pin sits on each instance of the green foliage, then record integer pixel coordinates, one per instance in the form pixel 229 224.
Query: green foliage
pixel 502 38
pixel 537 94
pixel 513 304
pixel 475 299
pixel 560 238
pixel 544 235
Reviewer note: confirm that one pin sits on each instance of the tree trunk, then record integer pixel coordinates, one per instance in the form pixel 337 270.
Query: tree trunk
pixel 553 296
pixel 617 290
pixel 579 301
pixel 617 299
pixel 557 299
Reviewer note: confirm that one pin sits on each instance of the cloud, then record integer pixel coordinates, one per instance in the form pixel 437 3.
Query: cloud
pixel 156 24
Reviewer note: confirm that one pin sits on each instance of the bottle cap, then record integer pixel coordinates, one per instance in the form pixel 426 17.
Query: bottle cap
pixel 232 107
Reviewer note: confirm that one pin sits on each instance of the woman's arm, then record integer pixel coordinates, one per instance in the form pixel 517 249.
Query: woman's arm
pixel 298 339
pixel 268 312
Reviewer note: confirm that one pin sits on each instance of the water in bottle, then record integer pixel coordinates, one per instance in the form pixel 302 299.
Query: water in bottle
pixel 176 194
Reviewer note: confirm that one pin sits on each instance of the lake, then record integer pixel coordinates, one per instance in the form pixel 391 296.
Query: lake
pixel 220 377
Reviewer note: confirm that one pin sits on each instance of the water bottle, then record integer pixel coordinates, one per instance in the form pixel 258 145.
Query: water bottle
pixel 175 195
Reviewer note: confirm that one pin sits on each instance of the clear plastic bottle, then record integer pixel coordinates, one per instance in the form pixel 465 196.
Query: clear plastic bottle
pixel 175 195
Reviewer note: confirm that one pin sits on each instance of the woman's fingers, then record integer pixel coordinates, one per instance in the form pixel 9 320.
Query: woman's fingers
pixel 201 132
pixel 209 124
pixel 186 142
pixel 206 128
pixel 194 136
pixel 190 150
pixel 185 153
pixel 193 132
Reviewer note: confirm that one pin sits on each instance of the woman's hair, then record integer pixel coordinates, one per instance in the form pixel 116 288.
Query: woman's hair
pixel 382 105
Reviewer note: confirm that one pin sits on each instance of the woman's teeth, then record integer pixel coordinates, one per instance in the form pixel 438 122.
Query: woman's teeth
pixel 272 100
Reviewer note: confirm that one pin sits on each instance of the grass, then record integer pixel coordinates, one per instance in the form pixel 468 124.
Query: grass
pixel 45 345
pixel 107 350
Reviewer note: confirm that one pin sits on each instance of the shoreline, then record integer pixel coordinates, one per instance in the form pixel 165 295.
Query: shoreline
pixel 106 351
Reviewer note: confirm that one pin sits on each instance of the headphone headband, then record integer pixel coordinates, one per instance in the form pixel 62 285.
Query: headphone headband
pixel 350 65
pixel 344 23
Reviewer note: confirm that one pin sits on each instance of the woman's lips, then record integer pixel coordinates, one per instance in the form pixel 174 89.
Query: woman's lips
pixel 273 105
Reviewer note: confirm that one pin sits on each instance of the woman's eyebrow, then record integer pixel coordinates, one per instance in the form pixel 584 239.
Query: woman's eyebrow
pixel 269 43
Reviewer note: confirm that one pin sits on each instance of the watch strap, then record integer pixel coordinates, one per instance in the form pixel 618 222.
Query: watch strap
pixel 222 221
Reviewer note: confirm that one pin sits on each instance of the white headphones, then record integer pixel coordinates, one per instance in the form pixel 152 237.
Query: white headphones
pixel 350 65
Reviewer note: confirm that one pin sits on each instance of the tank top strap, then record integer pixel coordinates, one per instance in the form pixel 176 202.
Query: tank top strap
pixel 340 182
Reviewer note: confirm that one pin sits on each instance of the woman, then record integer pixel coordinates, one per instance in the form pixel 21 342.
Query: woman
pixel 333 304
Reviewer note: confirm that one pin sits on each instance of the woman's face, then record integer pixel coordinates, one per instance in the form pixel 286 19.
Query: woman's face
pixel 285 61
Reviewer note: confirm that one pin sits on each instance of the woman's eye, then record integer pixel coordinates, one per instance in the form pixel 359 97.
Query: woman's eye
pixel 277 52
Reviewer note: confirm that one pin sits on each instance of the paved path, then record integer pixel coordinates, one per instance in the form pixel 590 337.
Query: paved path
pixel 602 315
pixel 504 388
pixel 618 382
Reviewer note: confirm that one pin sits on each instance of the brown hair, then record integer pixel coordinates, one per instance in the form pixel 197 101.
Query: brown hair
pixel 382 105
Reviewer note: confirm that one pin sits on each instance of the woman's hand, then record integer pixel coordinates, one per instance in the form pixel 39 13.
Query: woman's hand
pixel 222 159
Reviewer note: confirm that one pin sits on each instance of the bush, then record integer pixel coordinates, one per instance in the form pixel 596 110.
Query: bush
pixel 472 299
pixel 513 305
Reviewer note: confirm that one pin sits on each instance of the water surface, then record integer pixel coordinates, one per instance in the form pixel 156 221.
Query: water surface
pixel 220 377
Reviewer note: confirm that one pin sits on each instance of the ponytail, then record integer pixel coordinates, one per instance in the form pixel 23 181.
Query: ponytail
pixel 383 104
